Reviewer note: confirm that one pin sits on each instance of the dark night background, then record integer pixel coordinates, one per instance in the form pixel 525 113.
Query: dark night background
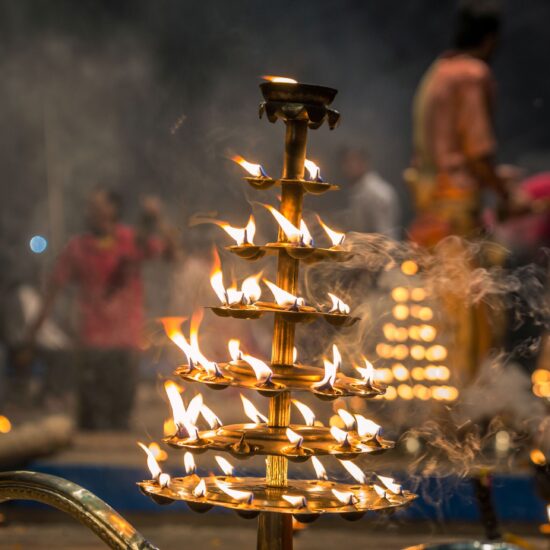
pixel 153 96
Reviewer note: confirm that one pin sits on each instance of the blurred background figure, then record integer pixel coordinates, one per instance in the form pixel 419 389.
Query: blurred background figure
pixel 104 264
pixel 454 148
pixel 373 204
pixel 453 136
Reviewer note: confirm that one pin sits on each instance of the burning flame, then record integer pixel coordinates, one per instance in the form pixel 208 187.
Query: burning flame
pixel 345 497
pixel 282 297
pixel 216 278
pixel 255 170
pixel 211 368
pixel 340 435
pixel 354 471
pixel 330 369
pixel 537 457
pixel 366 427
pixel 280 79
pixel 234 346
pixel 347 417
pixel 189 463
pixel 295 439
pixel 390 484
pixel 241 235
pixel 313 169
pixel 320 471
pixel 296 501
pixel 172 328
pixel 5 425
pixel 367 373
pixel 294 354
pixel 261 370
pixel 338 306
pixel 251 289
pixel 336 237
pixel 225 465
pixel 211 418
pixel 179 413
pixel 156 473
pixel 294 235
pixel 200 489
pixel 307 413
pixel 240 496
pixel 379 491
pixel 252 412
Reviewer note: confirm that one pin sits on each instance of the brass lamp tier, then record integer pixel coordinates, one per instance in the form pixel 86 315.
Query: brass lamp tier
pixel 298 315
pixel 308 254
pixel 311 498
pixel 312 187
pixel 246 440
pixel 285 378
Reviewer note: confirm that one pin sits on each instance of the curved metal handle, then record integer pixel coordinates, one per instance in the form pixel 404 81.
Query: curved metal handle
pixel 76 501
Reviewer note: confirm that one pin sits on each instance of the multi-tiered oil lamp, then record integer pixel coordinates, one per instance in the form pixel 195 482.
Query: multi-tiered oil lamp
pixel 275 497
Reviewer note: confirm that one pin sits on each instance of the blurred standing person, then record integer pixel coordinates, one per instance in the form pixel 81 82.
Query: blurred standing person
pixel 453 135
pixel 104 263
pixel 373 202
pixel 454 161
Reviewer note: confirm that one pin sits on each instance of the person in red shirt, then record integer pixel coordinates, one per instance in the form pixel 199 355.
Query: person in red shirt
pixel 104 263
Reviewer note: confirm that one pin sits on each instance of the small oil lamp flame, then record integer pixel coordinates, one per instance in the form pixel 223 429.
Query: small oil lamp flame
pixel 366 427
pixel 156 473
pixel 189 463
pixel 331 367
pixel 296 501
pixel 200 489
pixel 225 465
pixel 279 79
pixel 252 412
pixel 379 491
pixel 340 435
pixel 347 498
pixel 294 235
pixel 216 278
pixel 354 471
pixel 234 346
pixel 255 170
pixel 241 235
pixel 390 484
pixel 182 419
pixel 367 372
pixel 338 305
pixel 172 328
pixel 313 170
pixel 537 457
pixel 251 289
pixel 261 370
pixel 320 471
pixel 158 453
pixel 307 413
pixel 347 418
pixel 336 237
pixel 245 497
pixel 211 368
pixel 295 439
pixel 211 417
pixel 294 355
pixel 282 297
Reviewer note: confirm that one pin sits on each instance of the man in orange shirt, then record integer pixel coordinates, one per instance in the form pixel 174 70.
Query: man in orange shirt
pixel 454 141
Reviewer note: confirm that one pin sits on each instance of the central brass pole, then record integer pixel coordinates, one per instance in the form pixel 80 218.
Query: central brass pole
pixel 275 530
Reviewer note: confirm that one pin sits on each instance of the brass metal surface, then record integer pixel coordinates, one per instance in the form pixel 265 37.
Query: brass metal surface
pixel 309 254
pixel 319 498
pixel 245 440
pixel 290 316
pixel 292 378
pixel 312 187
pixel 75 501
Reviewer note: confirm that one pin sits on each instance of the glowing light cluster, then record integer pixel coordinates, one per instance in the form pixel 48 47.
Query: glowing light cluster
pixel 541 383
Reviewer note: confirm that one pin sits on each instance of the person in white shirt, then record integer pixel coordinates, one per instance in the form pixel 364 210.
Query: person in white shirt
pixel 373 204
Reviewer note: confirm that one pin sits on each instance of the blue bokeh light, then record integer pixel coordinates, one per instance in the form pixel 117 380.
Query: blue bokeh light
pixel 38 244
